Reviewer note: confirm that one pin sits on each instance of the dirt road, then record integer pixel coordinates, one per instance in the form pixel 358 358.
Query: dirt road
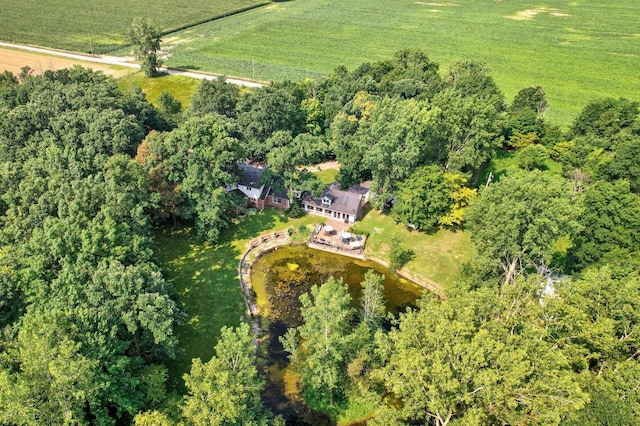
pixel 13 57
pixel 323 166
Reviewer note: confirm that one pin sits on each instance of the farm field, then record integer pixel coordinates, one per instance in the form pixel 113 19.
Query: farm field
pixel 98 27
pixel 576 50
pixel 14 60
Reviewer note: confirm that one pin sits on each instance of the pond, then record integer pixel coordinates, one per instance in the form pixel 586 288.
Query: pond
pixel 279 278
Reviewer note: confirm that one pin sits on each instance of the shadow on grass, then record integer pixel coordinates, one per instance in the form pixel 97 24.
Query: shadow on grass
pixel 252 226
pixel 205 281
pixel 204 277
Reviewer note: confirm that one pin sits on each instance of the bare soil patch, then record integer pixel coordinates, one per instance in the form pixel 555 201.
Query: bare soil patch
pixel 525 15
pixel 13 61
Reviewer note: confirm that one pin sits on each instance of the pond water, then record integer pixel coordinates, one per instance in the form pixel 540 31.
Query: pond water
pixel 279 278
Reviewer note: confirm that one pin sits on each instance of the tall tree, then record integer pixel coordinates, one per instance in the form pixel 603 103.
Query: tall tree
pixel 215 96
pixel 424 198
pixel 146 43
pixel 317 347
pixel 610 224
pixel 48 380
pixel 469 131
pixel 226 389
pixel 201 157
pixel 516 221
pixel 265 111
pixel 372 300
pixel 397 138
pixel 604 118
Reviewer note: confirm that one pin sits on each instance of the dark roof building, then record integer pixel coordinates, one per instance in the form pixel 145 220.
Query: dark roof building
pixel 336 203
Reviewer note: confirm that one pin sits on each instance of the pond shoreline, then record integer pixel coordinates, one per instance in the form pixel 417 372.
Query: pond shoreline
pixel 280 275
pixel 265 243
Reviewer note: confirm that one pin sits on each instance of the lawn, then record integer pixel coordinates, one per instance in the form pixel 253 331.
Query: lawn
pixel 505 161
pixel 577 51
pixel 327 176
pixel 97 27
pixel 180 87
pixel 206 282
pixel 438 255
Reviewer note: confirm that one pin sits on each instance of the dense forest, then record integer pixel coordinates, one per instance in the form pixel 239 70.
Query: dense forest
pixel 541 328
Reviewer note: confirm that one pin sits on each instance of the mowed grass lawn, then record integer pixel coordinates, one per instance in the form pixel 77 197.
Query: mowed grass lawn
pixel 438 255
pixel 576 50
pixel 91 26
pixel 205 278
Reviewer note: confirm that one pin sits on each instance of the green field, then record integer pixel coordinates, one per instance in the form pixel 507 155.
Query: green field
pixel 577 50
pixel 180 87
pixel 95 27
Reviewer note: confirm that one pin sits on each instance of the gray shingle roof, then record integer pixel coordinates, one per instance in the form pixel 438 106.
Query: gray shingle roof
pixel 342 201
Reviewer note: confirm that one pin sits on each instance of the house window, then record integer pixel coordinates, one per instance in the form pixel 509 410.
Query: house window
pixel 276 200
pixel 326 201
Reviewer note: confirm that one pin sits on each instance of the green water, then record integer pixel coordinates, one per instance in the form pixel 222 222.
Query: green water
pixel 279 278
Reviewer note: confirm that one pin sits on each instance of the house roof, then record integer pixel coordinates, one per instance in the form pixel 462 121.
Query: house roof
pixel 361 188
pixel 341 201
pixel 250 175
pixel 251 178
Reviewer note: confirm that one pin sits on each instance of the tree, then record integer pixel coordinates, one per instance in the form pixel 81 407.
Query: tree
pixel 594 319
pixel 399 255
pixel 530 98
pixel 516 221
pixel 468 129
pixel 94 308
pixel 477 358
pixel 215 96
pixel 345 141
pixel 461 198
pixel 423 199
pixel 625 163
pixel 372 300
pixel 264 111
pixel 604 118
pixel 152 418
pixel 49 381
pixel 610 224
pixel 532 156
pixel 408 75
pixel 317 348
pixel 226 389
pixel 397 138
pixel 201 157
pixel 146 43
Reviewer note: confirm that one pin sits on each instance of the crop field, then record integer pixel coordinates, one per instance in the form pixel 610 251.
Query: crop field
pixel 576 50
pixel 98 27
